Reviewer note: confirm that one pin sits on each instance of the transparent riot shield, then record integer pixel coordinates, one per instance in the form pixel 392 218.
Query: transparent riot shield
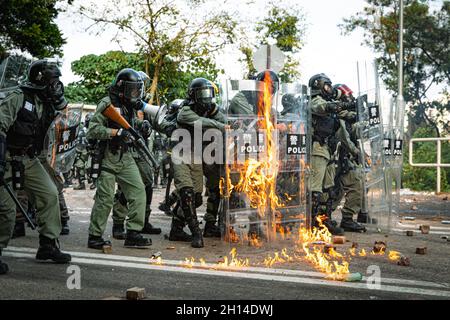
pixel 61 139
pixel 293 161
pixel 13 71
pixel 266 163
pixel 370 141
pixel 393 147
pixel 249 185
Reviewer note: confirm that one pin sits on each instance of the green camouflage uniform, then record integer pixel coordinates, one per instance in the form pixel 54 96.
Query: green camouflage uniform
pixel 37 182
pixel 117 167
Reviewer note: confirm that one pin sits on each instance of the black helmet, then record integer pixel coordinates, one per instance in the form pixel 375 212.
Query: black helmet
pixel 290 103
pixel 145 79
pixel 202 93
pixel 127 89
pixel 273 77
pixel 43 77
pixel 320 84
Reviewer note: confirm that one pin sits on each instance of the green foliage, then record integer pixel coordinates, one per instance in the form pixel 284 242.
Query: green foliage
pixel 98 72
pixel 167 32
pixel 287 27
pixel 29 25
pixel 426 51
pixel 424 179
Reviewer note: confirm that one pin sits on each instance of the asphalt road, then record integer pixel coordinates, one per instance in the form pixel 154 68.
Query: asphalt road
pixel 103 276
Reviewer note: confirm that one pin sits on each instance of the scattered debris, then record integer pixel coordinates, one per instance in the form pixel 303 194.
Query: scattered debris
pixel 404 261
pixel 338 240
pixel 135 293
pixel 445 198
pixel 107 249
pixel 156 255
pixel 414 208
pixel 353 277
pixel 409 218
pixel 379 247
pixel 355 245
pixel 444 238
pixel 170 248
pixel 421 250
pixel 409 233
pixel 425 229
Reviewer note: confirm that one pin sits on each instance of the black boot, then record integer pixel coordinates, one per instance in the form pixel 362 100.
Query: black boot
pixel 93 186
pixel 65 228
pixel 211 230
pixel 177 233
pixel 49 250
pixel 118 231
pixel 149 229
pixel 97 242
pixel 19 230
pixel 363 217
pixel 135 240
pixel 3 266
pixel 351 226
pixel 187 201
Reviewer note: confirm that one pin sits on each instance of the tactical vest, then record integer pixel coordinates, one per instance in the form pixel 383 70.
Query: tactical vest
pixel 324 127
pixel 25 131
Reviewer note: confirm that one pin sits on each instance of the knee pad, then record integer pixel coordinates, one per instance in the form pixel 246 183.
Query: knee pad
pixel 186 197
pixel 198 199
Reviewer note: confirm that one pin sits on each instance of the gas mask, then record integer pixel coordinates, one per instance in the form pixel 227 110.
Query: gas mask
pixel 53 94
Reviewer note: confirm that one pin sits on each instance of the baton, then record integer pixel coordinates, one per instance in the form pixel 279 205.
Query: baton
pixel 11 193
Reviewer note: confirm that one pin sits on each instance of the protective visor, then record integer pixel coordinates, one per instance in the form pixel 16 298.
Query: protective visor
pixel 133 90
pixel 205 95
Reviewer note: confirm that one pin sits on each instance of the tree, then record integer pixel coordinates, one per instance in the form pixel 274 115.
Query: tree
pixel 29 25
pixel 426 51
pixel 98 71
pixel 167 32
pixel 285 25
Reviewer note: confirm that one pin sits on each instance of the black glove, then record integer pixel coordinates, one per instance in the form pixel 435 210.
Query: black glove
pixel 334 107
pixel 2 159
pixel 348 105
pixel 146 128
pixel 125 136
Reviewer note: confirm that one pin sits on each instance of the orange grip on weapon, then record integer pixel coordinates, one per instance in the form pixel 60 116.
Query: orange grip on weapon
pixel 112 114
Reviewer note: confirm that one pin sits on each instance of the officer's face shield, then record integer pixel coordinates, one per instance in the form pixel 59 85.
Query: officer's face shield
pixel 132 92
pixel 54 94
pixel 205 96
pixel 327 89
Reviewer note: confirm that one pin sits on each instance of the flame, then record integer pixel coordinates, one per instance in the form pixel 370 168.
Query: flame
pixel 188 262
pixel 284 257
pixel 332 263
pixel 234 261
pixel 352 251
pixel 394 255
pixel 362 253
pixel 157 261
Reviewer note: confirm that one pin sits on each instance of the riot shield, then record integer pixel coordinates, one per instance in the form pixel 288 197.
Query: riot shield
pixel 13 71
pixel 264 188
pixel 61 139
pixel 293 160
pixel 370 141
pixel 393 147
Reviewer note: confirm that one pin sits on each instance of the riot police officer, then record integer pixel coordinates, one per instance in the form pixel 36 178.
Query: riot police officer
pixel 200 108
pixel 118 164
pixel 324 110
pixel 25 115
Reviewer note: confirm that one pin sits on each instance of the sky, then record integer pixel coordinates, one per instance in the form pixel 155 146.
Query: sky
pixel 326 49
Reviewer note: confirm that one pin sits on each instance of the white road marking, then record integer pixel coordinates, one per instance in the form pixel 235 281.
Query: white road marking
pixel 285 275
pixel 253 276
pixel 418 232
